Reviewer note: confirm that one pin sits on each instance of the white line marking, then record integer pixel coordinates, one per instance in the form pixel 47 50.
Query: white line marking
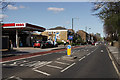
pixel 37 63
pixel 88 54
pixel 101 51
pixel 54 66
pixel 68 60
pixel 113 63
pixel 42 65
pixel 18 78
pixel 58 58
pixel 62 63
pixel 30 62
pixel 81 58
pixel 12 76
pixel 21 64
pixel 42 72
pixel 67 67
pixel 4 64
pixel 114 52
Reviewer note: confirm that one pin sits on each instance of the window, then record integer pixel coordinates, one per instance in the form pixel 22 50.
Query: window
pixel 54 32
pixel 49 32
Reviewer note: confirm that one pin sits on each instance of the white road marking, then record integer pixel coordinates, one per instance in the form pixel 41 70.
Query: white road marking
pixel 69 60
pixel 101 51
pixel 67 67
pixel 81 58
pixel 12 76
pixel 18 78
pixel 25 58
pixel 114 52
pixel 37 63
pixel 42 65
pixel 15 63
pixel 4 64
pixel 21 64
pixel 88 54
pixel 62 63
pixel 113 63
pixel 42 72
pixel 54 66
pixel 58 58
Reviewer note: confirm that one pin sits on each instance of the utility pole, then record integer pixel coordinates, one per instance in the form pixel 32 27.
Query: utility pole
pixel 72 23
pixel 86 28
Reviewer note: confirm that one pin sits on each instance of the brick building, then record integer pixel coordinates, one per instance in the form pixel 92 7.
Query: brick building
pixel 84 35
pixel 63 33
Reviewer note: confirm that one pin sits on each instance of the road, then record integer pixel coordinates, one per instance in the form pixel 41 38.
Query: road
pixel 91 62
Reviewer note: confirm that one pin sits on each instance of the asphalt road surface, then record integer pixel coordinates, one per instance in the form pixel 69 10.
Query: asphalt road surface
pixel 91 62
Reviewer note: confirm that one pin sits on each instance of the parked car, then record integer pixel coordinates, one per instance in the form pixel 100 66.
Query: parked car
pixel 37 44
pixel 46 44
pixel 93 43
pixel 55 44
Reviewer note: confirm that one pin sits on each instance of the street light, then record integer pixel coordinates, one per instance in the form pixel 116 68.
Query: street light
pixel 86 29
pixel 89 37
pixel 72 25
pixel 72 22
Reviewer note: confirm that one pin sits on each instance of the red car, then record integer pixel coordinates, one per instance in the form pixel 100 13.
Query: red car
pixel 93 43
pixel 37 44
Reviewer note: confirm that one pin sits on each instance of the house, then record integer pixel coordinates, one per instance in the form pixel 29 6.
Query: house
pixel 84 35
pixel 61 36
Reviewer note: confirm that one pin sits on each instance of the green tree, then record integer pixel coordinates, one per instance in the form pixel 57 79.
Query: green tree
pixel 109 13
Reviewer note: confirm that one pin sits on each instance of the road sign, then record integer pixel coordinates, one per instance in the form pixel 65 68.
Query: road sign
pixel 70 37
pixel 69 50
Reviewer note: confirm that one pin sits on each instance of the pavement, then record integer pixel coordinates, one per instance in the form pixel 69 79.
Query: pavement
pixel 27 50
pixel 91 62
pixel 115 54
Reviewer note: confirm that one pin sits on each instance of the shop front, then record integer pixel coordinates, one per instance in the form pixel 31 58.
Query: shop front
pixel 20 33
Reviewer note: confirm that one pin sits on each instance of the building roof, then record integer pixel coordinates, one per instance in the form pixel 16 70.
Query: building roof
pixel 71 30
pixel 81 31
pixel 58 28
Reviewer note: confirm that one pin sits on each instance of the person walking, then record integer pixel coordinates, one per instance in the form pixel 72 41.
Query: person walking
pixel 64 43
pixel 10 45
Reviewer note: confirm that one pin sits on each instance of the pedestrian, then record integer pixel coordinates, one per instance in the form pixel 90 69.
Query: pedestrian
pixel 64 43
pixel 10 45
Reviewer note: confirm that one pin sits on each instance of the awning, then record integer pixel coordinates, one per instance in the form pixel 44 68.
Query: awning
pixel 22 26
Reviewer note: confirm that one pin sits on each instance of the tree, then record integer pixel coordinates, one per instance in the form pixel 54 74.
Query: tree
pixel 109 13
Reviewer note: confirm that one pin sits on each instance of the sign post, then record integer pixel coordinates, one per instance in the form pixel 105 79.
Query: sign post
pixel 56 36
pixel 69 50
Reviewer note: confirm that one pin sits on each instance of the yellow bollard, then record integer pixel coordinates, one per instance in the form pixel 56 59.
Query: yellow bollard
pixel 69 50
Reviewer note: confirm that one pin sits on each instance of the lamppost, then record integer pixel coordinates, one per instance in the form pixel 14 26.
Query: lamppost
pixel 88 37
pixel 72 22
pixel 72 25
